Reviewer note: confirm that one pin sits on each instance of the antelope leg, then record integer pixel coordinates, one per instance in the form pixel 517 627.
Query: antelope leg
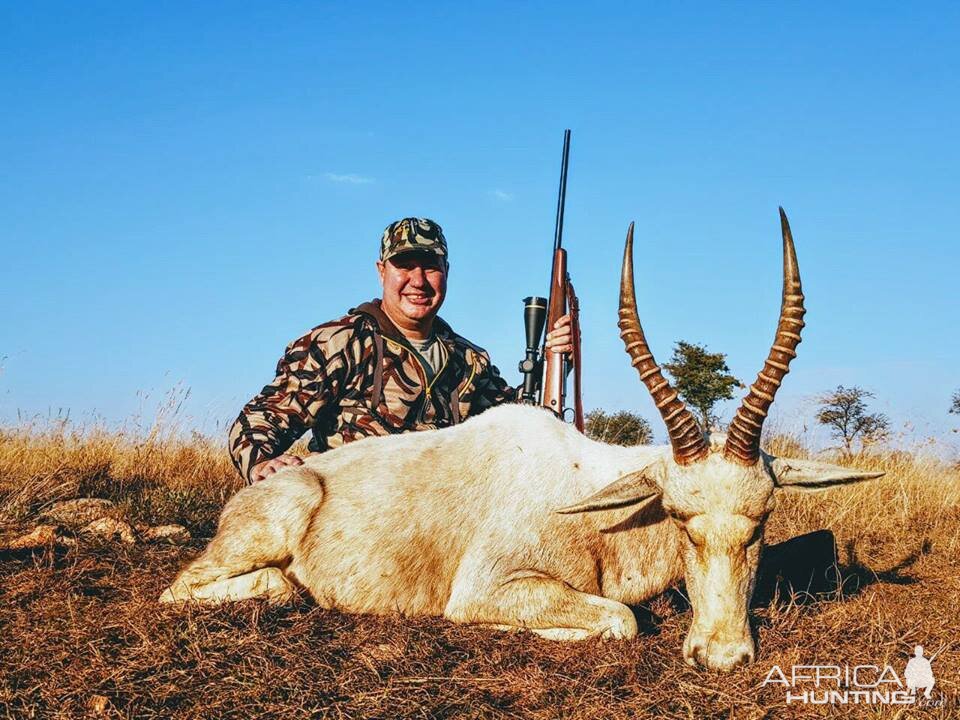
pixel 549 608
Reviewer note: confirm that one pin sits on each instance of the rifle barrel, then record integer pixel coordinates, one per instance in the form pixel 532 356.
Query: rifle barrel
pixel 562 195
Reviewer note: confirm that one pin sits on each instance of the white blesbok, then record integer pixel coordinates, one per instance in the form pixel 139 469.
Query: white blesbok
pixel 514 520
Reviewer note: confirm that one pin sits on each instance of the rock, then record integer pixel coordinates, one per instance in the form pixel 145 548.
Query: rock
pixel 41 536
pixel 78 512
pixel 109 528
pixel 173 534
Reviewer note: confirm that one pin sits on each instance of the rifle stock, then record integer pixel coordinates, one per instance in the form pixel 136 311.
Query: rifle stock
pixel 573 305
pixel 554 370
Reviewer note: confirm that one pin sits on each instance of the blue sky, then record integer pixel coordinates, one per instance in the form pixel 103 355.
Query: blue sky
pixel 186 187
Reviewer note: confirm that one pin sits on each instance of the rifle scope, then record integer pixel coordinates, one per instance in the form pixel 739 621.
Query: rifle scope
pixel 534 318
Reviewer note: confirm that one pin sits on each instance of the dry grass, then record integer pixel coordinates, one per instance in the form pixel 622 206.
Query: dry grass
pixel 81 632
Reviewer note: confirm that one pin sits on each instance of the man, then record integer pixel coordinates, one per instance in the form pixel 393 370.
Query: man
pixel 388 366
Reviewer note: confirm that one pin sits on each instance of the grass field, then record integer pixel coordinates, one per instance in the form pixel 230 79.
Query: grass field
pixel 81 633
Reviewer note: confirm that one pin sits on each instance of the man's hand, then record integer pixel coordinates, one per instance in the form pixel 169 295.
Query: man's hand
pixel 263 470
pixel 560 339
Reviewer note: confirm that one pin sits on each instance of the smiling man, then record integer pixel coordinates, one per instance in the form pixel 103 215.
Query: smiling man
pixel 388 366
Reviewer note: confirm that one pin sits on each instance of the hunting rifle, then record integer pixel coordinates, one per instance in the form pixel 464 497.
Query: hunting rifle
pixel 545 373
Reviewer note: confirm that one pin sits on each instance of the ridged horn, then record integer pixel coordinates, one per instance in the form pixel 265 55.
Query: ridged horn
pixel 686 437
pixel 743 435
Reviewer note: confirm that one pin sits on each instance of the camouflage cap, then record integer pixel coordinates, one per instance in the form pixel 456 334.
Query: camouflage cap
pixel 412 234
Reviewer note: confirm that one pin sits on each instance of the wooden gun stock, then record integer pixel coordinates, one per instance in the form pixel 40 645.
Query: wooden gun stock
pixel 573 303
pixel 554 370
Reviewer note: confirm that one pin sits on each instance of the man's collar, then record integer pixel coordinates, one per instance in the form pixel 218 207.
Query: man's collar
pixel 389 330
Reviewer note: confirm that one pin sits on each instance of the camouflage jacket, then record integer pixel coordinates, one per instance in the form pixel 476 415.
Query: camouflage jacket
pixel 328 381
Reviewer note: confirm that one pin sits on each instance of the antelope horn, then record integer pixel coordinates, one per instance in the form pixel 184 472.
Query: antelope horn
pixel 686 438
pixel 743 435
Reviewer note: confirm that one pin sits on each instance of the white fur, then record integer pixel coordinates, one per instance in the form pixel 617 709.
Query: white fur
pixel 462 522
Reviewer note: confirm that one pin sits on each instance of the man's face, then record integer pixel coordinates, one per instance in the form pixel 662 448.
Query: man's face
pixel 414 286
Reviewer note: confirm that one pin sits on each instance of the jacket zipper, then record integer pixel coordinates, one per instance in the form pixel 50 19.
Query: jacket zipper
pixel 422 370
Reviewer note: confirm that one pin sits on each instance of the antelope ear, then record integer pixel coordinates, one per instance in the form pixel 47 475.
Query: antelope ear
pixel 815 475
pixel 627 490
